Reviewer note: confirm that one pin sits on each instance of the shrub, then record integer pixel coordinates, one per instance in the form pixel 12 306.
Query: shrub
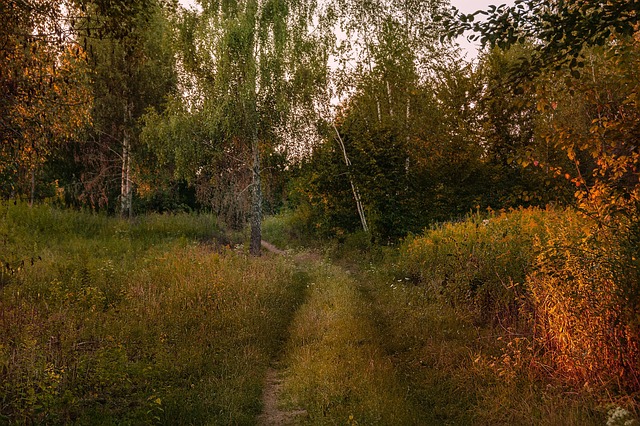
pixel 480 264
pixel 565 281
pixel 586 319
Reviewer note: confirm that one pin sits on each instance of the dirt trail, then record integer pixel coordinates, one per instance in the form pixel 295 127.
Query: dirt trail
pixel 271 248
pixel 272 414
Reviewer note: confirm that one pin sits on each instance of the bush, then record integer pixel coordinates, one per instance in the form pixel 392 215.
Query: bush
pixel 479 265
pixel 586 319
pixel 561 279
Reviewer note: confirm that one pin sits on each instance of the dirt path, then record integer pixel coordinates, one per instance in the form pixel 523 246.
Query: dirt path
pixel 271 248
pixel 272 414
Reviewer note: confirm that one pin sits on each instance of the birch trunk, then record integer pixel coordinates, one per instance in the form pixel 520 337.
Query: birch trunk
pixel 256 200
pixel 356 193
pixel 125 178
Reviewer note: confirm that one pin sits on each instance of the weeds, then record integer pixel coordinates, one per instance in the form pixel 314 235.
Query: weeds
pixel 548 284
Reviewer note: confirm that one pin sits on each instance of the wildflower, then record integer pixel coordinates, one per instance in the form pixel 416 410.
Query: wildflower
pixel 618 416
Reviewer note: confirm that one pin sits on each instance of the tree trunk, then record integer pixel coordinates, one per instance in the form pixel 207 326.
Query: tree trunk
pixel 125 179
pixel 256 200
pixel 33 186
pixel 356 193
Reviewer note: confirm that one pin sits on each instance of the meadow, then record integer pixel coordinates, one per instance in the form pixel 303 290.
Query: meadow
pixel 165 320
pixel 103 321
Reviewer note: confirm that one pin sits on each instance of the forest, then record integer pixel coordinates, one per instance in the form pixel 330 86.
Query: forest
pixel 319 212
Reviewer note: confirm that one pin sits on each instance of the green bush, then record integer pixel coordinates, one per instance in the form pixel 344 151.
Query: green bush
pixel 479 264
pixel 556 277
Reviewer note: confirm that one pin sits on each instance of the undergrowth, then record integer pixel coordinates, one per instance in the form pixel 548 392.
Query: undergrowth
pixel 369 347
pixel 550 285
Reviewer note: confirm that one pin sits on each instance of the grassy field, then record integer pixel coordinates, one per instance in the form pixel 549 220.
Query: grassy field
pixel 103 321
pixel 369 349
pixel 156 321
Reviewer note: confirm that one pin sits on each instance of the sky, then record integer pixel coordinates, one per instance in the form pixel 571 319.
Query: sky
pixel 466 6
pixel 470 6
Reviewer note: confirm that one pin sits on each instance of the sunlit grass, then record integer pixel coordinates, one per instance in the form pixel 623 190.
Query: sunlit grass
pixel 337 369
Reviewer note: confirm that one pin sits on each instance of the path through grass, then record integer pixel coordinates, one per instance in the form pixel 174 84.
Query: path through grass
pixel 371 349
pixel 103 321
pixel 337 369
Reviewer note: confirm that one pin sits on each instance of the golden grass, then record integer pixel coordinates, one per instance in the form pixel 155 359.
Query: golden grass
pixel 337 369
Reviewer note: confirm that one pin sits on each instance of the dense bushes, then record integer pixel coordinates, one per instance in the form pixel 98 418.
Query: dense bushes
pixel 585 316
pixel 481 263
pixel 553 275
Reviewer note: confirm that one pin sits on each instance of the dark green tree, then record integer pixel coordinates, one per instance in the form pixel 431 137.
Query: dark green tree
pixel 133 68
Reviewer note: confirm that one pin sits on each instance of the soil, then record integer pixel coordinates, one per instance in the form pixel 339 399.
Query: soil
pixel 272 414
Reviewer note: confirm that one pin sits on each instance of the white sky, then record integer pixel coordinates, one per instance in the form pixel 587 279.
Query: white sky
pixel 465 6
pixel 470 6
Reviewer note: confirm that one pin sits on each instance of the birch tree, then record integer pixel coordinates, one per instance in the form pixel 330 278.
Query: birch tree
pixel 132 69
pixel 258 66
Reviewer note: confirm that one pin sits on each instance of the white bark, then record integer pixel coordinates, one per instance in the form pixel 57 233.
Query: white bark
pixel 256 199
pixel 356 193
pixel 126 192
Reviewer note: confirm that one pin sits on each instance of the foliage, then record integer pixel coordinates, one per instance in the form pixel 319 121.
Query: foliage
pixel 561 29
pixel 467 142
pixel 108 321
pixel 554 277
pixel 521 161
pixel 586 317
pixel 132 69
pixel 256 79
pixel 478 265
pixel 44 101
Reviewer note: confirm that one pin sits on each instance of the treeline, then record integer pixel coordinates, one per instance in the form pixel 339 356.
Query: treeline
pixel 76 78
pixel 139 106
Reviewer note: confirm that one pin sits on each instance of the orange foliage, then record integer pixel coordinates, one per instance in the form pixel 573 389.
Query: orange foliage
pixel 50 105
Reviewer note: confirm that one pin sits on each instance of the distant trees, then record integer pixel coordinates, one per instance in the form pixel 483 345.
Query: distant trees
pixel 75 77
pixel 132 69
pixel 234 100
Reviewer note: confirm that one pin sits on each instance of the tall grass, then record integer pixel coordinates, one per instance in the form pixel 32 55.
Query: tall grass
pixel 460 372
pixel 480 264
pixel 134 323
pixel 549 283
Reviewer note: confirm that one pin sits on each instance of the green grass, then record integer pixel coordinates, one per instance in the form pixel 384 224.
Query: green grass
pixel 135 323
pixel 337 369
pixel 430 334
pixel 155 321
